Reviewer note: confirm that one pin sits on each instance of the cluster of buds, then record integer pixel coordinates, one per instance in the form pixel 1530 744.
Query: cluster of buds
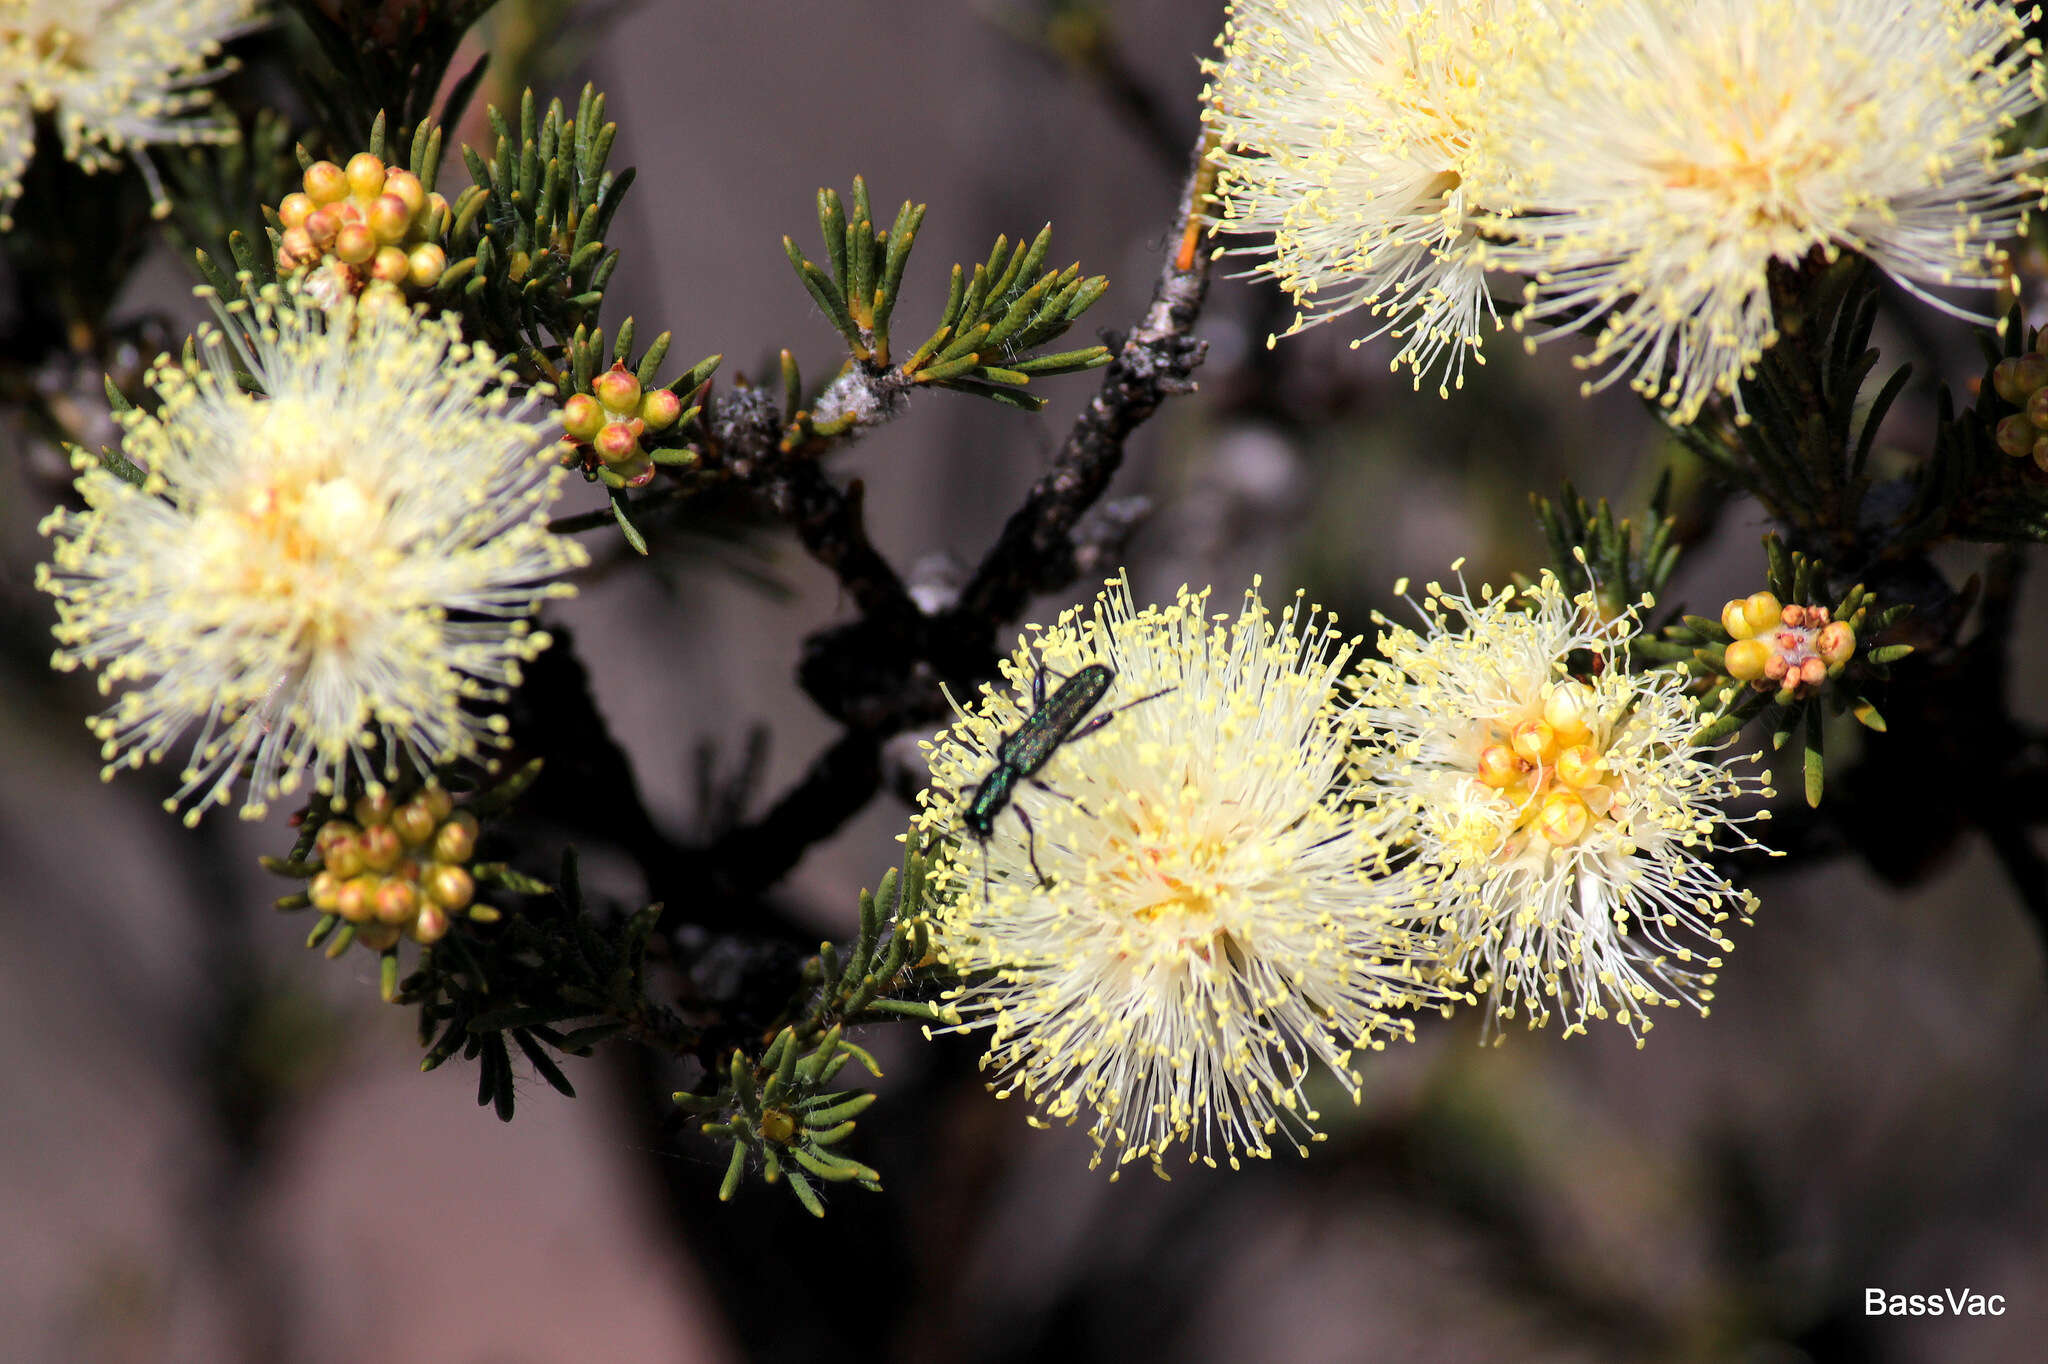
pixel 398 870
pixel 2022 380
pixel 606 424
pixel 1553 768
pixel 363 227
pixel 1791 650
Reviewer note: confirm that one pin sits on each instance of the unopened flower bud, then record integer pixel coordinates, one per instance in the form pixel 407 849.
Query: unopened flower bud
pixel 2015 435
pixel 582 416
pixel 382 848
pixel 617 389
pixel 2005 381
pixel 293 209
pixel 1564 710
pixel 389 218
pixel 1762 610
pixel 344 857
pixel 414 821
pixel 431 926
pixel 1794 615
pixel 295 248
pixel 1498 766
pixel 637 472
pixel 397 902
pixel 377 937
pixel 321 225
pixel 365 175
pixel 777 1126
pixel 660 408
pixel 389 265
pixel 374 807
pixel 455 841
pixel 325 891
pixel 1813 672
pixel 325 182
pixel 452 888
pixel 616 443
pixel 2030 374
pixel 437 800
pixel 1535 741
pixel 406 185
pixel 355 243
pixel 1734 621
pixel 1775 667
pixel 1835 642
pixel 1579 765
pixel 1563 820
pixel 426 265
pixel 356 901
pixel 1746 659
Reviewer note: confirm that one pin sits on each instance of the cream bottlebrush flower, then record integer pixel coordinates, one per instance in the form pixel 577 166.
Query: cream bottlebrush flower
pixel 1568 819
pixel 1347 131
pixel 352 558
pixel 1672 149
pixel 117 75
pixel 1217 913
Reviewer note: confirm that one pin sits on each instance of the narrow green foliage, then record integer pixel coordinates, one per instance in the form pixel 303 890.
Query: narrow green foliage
pixel 776 1106
pixel 1590 549
pixel 994 318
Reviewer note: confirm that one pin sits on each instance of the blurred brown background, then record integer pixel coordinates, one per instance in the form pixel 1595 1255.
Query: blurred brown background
pixel 215 1146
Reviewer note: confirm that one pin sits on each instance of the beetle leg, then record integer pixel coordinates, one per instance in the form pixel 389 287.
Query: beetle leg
pixel 1099 721
pixel 1031 846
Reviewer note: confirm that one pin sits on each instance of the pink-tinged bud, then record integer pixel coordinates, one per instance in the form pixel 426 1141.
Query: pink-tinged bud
pixel 325 182
pixel 637 473
pixel 1563 820
pixel 1762 610
pixel 2015 435
pixel 617 389
pixel 1579 765
pixel 293 209
pixel 1813 672
pixel 407 187
pixel 2030 374
pixel 431 926
pixel 414 821
pixel 1795 615
pixel 325 892
pixel 355 243
pixel 331 833
pixel 382 848
pixel 357 899
pixel 452 888
pixel 365 175
pixel 616 443
pixel 344 857
pixel 1499 767
pixel 2005 381
pixel 321 225
pixel 377 937
pixel 1746 659
pixel 1535 741
pixel 2037 408
pixel 437 800
pixel 397 902
pixel 456 840
pixel 582 416
pixel 389 265
pixel 1775 667
pixel 1835 643
pixel 373 808
pixel 388 218
pixel 295 248
pixel 660 409
pixel 426 265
